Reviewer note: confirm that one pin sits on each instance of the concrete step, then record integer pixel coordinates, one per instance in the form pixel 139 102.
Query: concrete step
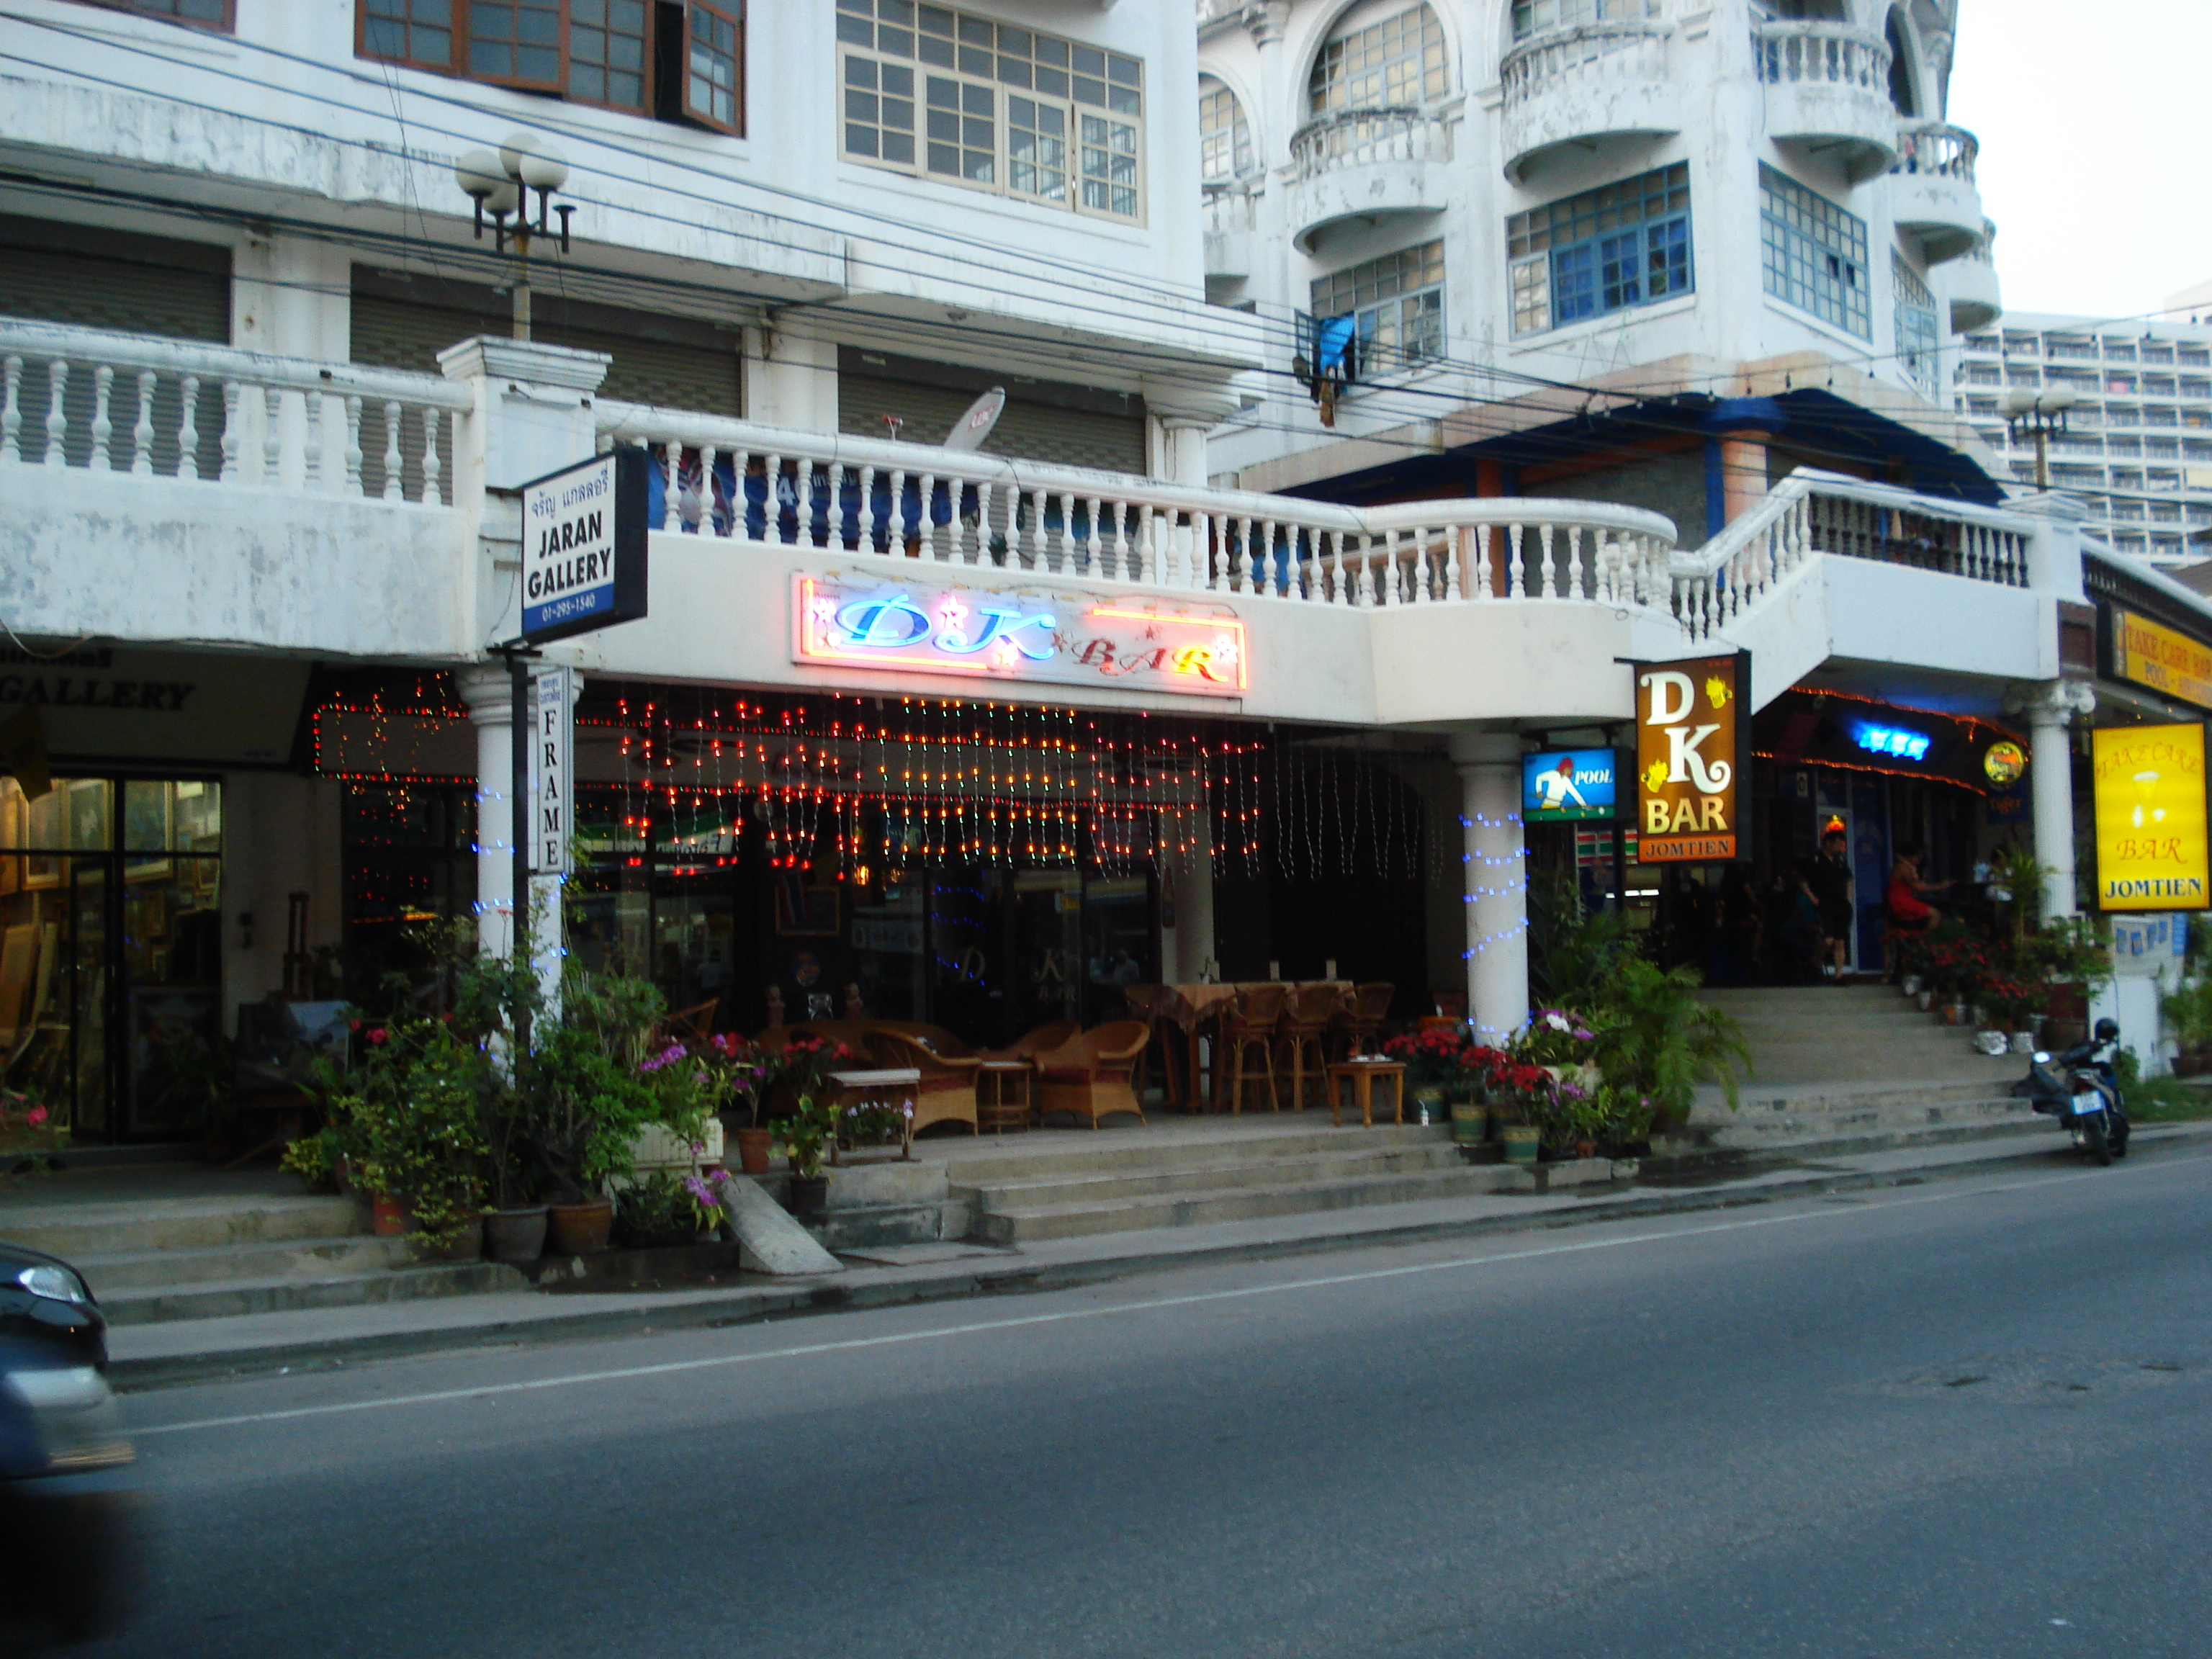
pixel 1030 1222
pixel 1081 1154
pixel 1311 1168
pixel 73 1230
pixel 305 1258
pixel 1767 1128
pixel 1680 1155
pixel 222 1298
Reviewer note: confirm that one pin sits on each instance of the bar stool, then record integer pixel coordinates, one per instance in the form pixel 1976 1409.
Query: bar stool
pixel 1148 1003
pixel 1248 1029
pixel 1306 1020
pixel 1357 1027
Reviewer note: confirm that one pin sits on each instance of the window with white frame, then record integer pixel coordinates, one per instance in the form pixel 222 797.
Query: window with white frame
pixel 1398 302
pixel 938 93
pixel 1815 253
pixel 1540 17
pixel 1399 62
pixel 1606 250
pixel 1918 338
pixel 1225 136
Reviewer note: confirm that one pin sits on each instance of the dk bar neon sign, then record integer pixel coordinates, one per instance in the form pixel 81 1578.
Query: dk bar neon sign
pixel 1025 635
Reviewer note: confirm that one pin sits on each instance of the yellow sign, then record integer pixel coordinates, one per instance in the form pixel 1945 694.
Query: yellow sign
pixel 2151 846
pixel 1690 724
pixel 2152 654
pixel 2005 764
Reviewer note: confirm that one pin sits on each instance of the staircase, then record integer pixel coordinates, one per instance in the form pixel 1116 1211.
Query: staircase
pixel 1076 1190
pixel 173 1250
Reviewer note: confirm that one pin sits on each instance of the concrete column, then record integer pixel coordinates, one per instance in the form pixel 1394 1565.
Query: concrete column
pixel 1181 459
pixel 2054 552
pixel 490 695
pixel 790 380
pixel 1194 940
pixel 2051 785
pixel 1497 865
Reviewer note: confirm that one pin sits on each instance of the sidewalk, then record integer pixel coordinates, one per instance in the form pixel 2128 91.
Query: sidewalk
pixel 159 1355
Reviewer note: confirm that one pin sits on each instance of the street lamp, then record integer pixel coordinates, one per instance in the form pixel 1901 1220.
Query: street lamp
pixel 499 183
pixel 2041 414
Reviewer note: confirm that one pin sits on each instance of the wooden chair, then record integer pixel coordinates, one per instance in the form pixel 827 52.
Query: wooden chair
pixel 1248 1029
pixel 1148 1003
pixel 1091 1076
pixel 1306 1018
pixel 687 1025
pixel 1357 1028
pixel 946 1091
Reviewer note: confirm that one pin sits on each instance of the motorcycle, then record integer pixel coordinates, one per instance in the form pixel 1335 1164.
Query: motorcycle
pixel 2082 1090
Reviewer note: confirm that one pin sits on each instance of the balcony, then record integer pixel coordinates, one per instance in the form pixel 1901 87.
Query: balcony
pixel 1933 190
pixel 1226 215
pixel 1828 90
pixel 1585 86
pixel 1361 167
pixel 1976 302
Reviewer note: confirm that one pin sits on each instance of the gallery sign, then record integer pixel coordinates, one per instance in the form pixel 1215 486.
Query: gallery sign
pixel 1692 743
pixel 1023 636
pixel 1572 785
pixel 2161 658
pixel 2151 844
pixel 551 736
pixel 583 546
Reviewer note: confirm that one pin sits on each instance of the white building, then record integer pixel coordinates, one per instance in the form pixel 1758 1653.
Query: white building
pixel 2137 450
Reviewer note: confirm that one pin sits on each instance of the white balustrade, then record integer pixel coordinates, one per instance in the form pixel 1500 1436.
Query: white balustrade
pixel 1934 149
pixel 1359 138
pixel 103 390
pixel 1833 54
pixel 1586 55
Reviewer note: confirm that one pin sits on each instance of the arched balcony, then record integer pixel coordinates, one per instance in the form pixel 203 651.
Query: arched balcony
pixel 1827 89
pixel 1976 300
pixel 1365 165
pixel 1586 84
pixel 1226 216
pixel 1933 190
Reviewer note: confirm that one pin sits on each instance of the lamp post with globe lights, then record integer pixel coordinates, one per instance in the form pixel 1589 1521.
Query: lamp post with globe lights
pixel 499 183
pixel 2042 416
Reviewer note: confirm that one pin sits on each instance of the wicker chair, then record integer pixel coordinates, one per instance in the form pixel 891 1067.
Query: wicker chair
pixel 1148 1003
pixel 1248 1029
pixel 947 1093
pixel 1089 1076
pixel 1304 1041
pixel 1031 1043
pixel 1355 1029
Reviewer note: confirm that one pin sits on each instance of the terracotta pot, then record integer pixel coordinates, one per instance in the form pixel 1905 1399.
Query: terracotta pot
pixel 515 1235
pixel 579 1228
pixel 465 1245
pixel 807 1197
pixel 753 1146
pixel 387 1216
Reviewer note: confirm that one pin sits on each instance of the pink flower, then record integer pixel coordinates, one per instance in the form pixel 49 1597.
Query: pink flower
pixel 35 1116
pixel 377 1036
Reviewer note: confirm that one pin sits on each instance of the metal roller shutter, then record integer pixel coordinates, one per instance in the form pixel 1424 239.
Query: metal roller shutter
pixel 1041 421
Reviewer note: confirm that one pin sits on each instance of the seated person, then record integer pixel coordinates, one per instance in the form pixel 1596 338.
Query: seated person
pixel 1906 900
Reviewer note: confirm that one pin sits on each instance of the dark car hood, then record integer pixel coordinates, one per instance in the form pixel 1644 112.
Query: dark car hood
pixel 22 1255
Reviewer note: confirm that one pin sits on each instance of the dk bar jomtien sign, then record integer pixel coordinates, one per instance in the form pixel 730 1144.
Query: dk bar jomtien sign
pixel 1020 635
pixel 2151 842
pixel 583 546
pixel 1692 743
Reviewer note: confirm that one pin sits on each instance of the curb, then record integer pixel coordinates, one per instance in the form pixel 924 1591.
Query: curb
pixel 761 1305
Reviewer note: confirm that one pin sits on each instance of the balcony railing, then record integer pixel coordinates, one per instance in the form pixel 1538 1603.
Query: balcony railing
pixel 1932 150
pixel 182 409
pixel 1833 54
pixel 1587 53
pixel 895 504
pixel 1359 138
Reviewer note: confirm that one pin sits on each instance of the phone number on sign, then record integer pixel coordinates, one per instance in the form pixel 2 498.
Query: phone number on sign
pixel 576 605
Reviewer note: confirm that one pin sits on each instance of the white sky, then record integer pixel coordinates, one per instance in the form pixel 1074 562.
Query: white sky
pixel 2093 147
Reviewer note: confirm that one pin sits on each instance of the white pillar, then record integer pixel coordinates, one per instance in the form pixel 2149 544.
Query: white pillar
pixel 1193 887
pixel 1183 449
pixel 790 380
pixel 2050 785
pixel 1497 853
pixel 490 695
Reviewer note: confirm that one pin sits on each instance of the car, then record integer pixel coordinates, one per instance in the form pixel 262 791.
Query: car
pixel 70 1546
pixel 45 1300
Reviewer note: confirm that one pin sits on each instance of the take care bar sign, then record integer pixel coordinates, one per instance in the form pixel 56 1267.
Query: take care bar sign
pixel 1017 634
pixel 2151 843
pixel 583 546
pixel 1692 743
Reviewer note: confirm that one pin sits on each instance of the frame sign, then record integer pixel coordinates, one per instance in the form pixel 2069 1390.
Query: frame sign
pixel 2151 843
pixel 1692 743
pixel 1574 786
pixel 551 737
pixel 583 546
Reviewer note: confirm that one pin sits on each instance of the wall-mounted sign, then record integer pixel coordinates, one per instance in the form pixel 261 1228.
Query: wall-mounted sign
pixel 1693 725
pixel 551 737
pixel 2160 658
pixel 2005 765
pixel 1023 636
pixel 2151 848
pixel 2146 946
pixel 100 702
pixel 1571 786
pixel 1894 742
pixel 583 546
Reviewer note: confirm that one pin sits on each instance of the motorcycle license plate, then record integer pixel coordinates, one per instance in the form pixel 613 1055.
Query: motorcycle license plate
pixel 2087 1105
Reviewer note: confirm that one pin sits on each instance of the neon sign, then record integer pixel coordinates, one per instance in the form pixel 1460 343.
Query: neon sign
pixel 1893 740
pixel 1027 635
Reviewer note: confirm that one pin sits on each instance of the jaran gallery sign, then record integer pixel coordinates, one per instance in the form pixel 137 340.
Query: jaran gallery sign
pixel 583 546
pixel 2151 843
pixel 1023 636
pixel 1692 732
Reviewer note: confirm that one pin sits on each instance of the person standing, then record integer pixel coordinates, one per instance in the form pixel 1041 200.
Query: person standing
pixel 1831 877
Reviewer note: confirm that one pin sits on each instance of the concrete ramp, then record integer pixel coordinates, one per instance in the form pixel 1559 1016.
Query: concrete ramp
pixel 770 1240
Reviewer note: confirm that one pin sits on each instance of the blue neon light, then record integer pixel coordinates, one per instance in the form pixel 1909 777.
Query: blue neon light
pixel 1893 741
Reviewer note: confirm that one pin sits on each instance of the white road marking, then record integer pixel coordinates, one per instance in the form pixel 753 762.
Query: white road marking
pixel 984 1327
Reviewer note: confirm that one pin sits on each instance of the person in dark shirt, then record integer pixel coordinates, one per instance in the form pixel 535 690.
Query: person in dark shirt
pixel 1832 891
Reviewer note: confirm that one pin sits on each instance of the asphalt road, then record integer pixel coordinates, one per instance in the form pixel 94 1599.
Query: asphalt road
pixel 1969 1418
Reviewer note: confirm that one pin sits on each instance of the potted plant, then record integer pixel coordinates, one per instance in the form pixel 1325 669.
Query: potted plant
pixel 1656 1041
pixel 1437 1071
pixel 415 1101
pixel 197 1085
pixel 807 1135
pixel 32 1135
pixel 665 1207
pixel 749 1073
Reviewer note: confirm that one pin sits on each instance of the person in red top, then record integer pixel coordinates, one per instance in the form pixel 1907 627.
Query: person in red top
pixel 1906 900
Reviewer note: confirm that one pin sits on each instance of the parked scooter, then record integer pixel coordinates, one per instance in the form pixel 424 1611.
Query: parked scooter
pixel 2081 1089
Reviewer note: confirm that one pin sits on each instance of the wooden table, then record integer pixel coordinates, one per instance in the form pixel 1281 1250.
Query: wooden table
pixel 1361 1074
pixel 1003 1095
pixel 882 1087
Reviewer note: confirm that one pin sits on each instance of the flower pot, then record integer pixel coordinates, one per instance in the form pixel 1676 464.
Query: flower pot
pixel 2023 1042
pixel 807 1197
pixel 515 1235
pixel 1522 1142
pixel 463 1244
pixel 1925 998
pixel 1953 1013
pixel 1909 985
pixel 1470 1124
pixel 387 1216
pixel 579 1228
pixel 753 1146
pixel 1428 1103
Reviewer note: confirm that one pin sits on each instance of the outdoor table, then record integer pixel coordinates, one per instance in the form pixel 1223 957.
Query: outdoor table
pixel 1361 1075
pixel 1003 1090
pixel 881 1087
pixel 1197 1007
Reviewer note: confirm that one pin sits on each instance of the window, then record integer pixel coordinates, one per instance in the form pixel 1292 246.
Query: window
pixel 1816 253
pixel 1001 108
pixel 1397 302
pixel 204 13
pixel 1398 62
pixel 675 60
pixel 1225 136
pixel 1606 250
pixel 1981 343
pixel 1917 336
pixel 1537 17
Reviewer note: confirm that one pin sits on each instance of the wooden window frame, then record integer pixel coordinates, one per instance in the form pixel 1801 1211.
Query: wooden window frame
pixel 137 9
pixel 732 12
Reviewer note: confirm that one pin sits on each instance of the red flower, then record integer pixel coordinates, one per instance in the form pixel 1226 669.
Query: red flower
pixel 35 1116
pixel 377 1036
